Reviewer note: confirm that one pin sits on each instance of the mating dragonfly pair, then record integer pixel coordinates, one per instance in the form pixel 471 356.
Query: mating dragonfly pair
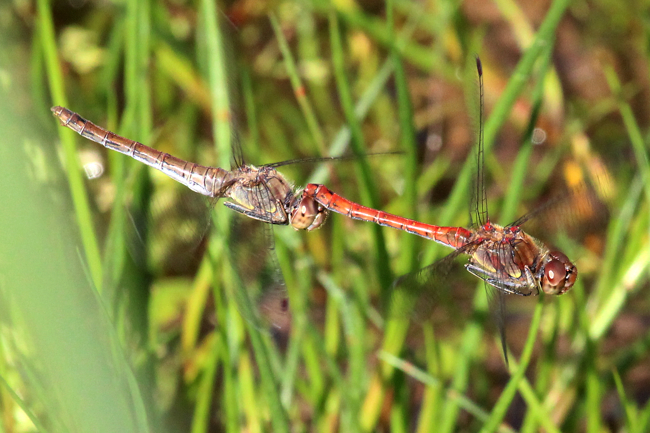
pixel 507 259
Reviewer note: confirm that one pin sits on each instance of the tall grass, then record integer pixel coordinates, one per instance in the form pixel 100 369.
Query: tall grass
pixel 94 340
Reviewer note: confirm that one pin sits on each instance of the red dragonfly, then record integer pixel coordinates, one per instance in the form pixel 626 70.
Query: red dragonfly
pixel 505 258
pixel 261 193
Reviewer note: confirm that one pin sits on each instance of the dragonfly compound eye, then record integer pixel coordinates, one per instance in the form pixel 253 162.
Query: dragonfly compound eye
pixel 308 214
pixel 559 274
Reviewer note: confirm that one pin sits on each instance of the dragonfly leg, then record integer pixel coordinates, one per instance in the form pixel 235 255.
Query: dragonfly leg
pixel 531 281
pixel 509 288
pixel 254 213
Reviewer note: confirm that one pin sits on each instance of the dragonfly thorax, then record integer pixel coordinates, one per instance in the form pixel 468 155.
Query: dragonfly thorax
pixel 260 193
pixel 516 263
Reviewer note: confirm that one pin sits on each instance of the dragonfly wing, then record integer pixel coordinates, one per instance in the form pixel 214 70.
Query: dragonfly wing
pixel 497 306
pixel 165 226
pixel 576 210
pixel 236 150
pixel 273 303
pixel 501 276
pixel 262 299
pixel 416 294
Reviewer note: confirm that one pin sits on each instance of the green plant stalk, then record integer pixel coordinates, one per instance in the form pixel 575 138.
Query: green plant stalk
pixel 73 166
pixel 343 137
pixel 426 378
pixel 540 413
pixel 218 84
pixel 422 57
pixel 253 143
pixel 335 375
pixel 634 132
pixel 137 113
pixel 619 294
pixel 137 125
pixel 520 168
pixel 616 236
pixel 368 190
pixel 290 374
pixel 616 298
pixel 214 67
pixel 251 407
pixel 201 418
pixel 593 389
pixel 333 317
pixel 21 403
pixel 643 419
pixel 509 392
pixel 115 250
pixel 433 395
pixel 471 340
pixel 523 70
pixel 407 142
pixel 232 388
pixel 298 87
pixel 630 410
pixel 396 329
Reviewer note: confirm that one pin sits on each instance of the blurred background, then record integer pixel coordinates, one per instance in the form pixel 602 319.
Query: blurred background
pixel 122 304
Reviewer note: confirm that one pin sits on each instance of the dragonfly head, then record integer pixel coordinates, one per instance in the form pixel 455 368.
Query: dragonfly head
pixel 559 274
pixel 306 213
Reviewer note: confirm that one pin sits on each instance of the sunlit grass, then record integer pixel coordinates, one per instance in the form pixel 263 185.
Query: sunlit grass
pixel 162 352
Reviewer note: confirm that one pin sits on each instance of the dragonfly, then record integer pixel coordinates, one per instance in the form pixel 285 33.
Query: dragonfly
pixel 261 193
pixel 506 258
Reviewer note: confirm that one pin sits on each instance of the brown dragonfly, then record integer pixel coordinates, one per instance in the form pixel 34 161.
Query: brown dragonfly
pixel 261 193
pixel 505 258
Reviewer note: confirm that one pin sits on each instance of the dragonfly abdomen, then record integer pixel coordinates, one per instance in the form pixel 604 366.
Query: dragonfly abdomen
pixel 454 237
pixel 204 180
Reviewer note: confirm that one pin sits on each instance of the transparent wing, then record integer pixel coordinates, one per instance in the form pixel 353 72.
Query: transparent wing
pixel 497 307
pixel 263 298
pixel 166 226
pixel 581 206
pixel 416 294
pixel 496 270
pixel 478 212
pixel 263 289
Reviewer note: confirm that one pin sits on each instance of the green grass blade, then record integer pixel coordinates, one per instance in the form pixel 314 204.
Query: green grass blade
pixel 520 168
pixel 422 376
pixel 343 137
pixel 505 400
pixel 298 87
pixel 368 190
pixel 218 84
pixel 523 70
pixel 408 143
pixel 74 171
